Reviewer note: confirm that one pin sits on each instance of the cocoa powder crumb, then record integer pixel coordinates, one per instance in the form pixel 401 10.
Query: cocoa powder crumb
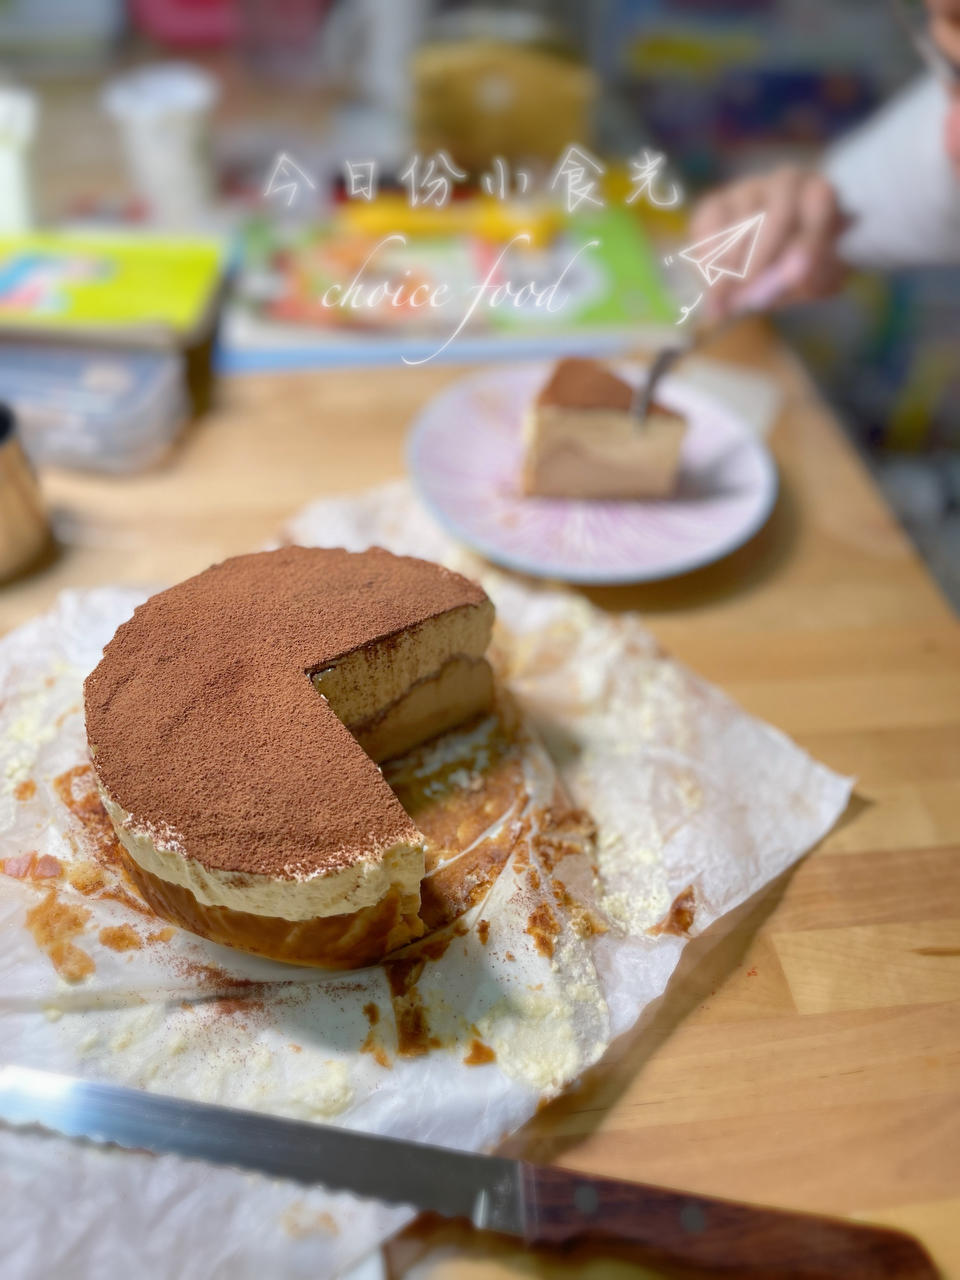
pixel 120 937
pixel 373 1046
pixel 543 927
pixel 679 919
pixel 479 1054
pixel 54 924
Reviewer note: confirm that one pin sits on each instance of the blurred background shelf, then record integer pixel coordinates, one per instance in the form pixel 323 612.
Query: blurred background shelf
pixel 720 88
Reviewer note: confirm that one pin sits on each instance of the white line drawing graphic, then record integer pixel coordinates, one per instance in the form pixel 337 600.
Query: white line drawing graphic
pixel 434 184
pixel 361 179
pixel 287 169
pixel 728 252
pixel 687 311
pixel 644 173
pixel 497 182
pixel 578 174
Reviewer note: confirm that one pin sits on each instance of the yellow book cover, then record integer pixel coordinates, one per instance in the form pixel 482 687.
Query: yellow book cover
pixel 79 283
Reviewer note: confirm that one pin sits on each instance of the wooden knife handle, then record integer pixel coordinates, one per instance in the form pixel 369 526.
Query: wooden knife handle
pixel 705 1235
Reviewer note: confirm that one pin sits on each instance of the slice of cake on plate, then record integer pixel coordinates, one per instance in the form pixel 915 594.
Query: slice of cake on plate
pixel 582 440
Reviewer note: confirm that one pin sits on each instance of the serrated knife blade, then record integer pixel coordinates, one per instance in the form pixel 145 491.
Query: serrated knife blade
pixel 544 1206
pixel 485 1189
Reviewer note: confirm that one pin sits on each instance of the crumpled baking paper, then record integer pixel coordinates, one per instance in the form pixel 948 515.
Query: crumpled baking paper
pixel 696 806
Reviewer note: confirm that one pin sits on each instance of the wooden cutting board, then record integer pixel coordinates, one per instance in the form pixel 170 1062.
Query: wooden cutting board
pixel 811 1057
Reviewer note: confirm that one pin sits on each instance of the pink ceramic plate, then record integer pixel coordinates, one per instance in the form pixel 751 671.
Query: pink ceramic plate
pixel 465 454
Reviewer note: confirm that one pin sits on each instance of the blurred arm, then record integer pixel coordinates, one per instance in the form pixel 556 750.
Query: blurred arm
pixel 894 178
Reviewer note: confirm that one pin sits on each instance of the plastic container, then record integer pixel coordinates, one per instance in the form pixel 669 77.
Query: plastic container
pixel 93 408
pixel 163 112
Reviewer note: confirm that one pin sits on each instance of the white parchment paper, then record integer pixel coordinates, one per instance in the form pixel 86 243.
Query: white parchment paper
pixel 696 805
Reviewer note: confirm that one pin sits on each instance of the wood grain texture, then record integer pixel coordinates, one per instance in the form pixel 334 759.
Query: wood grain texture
pixel 701 1234
pixel 809 1055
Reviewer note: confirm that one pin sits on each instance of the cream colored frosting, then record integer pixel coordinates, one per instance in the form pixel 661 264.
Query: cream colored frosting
pixel 333 892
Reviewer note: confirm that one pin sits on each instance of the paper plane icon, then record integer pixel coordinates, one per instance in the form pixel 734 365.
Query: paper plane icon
pixel 285 179
pixel 728 252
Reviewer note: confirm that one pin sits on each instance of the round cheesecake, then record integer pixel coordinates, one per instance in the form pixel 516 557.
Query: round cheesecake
pixel 235 724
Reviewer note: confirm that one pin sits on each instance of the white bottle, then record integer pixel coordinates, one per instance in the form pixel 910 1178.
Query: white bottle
pixel 163 113
pixel 18 122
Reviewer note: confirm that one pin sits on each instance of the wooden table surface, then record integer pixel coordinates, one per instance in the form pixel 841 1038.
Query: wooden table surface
pixel 811 1058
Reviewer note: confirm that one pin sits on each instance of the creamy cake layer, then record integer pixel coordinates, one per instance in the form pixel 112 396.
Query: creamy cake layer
pixel 348 941
pixel 333 892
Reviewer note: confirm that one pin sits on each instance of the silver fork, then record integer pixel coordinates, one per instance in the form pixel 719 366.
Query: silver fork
pixel 756 297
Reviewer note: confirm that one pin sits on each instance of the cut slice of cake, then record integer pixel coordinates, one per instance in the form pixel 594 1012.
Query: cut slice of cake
pixel 582 441
pixel 248 810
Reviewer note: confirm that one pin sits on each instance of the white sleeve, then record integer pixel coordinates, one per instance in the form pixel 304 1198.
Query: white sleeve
pixel 894 178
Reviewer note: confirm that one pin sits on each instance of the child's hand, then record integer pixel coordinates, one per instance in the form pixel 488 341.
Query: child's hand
pixel 804 221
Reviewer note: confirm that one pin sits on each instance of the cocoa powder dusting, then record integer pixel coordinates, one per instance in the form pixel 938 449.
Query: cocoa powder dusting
pixel 204 724
pixel 244 1008
pixel 580 383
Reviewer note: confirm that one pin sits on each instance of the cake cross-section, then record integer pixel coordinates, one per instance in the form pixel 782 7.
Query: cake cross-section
pixel 582 440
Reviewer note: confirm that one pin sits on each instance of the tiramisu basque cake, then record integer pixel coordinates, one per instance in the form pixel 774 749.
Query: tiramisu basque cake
pixel 234 723
pixel 582 440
